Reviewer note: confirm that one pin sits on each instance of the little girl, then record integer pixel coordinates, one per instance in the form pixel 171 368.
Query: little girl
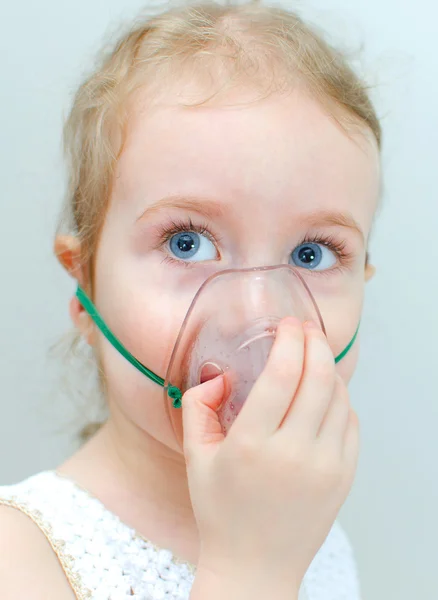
pixel 223 160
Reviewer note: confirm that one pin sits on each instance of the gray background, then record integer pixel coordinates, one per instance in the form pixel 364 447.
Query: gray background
pixel 390 515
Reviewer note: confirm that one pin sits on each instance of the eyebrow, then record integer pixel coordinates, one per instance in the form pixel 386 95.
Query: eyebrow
pixel 333 218
pixel 204 206
pixel 210 209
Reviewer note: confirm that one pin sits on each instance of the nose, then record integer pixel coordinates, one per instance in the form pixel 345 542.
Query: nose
pixel 247 297
pixel 259 296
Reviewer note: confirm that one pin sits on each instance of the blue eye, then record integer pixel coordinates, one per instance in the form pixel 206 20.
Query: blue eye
pixel 192 246
pixel 311 256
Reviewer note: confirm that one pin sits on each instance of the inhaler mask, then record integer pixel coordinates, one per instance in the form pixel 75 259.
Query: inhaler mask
pixel 229 328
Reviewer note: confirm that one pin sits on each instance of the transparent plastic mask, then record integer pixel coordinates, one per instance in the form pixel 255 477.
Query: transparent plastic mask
pixel 230 328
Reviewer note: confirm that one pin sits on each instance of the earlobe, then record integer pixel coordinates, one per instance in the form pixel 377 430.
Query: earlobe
pixel 81 320
pixel 369 272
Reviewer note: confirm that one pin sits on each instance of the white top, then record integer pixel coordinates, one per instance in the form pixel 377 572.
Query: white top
pixel 104 559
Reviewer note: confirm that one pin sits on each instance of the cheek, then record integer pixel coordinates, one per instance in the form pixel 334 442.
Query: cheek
pixel 147 325
pixel 341 310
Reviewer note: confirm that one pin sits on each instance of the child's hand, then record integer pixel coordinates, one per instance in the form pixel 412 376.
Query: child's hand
pixel 266 496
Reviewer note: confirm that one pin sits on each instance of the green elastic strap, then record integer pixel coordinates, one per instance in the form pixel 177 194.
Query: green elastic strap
pixel 347 349
pixel 172 391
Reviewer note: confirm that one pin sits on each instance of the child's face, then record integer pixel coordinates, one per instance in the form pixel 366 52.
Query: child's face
pixel 249 185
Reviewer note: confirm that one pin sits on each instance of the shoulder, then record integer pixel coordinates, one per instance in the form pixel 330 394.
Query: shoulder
pixel 29 567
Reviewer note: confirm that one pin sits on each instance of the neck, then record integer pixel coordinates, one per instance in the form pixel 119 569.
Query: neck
pixel 140 480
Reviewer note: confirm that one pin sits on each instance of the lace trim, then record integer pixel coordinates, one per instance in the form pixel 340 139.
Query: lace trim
pixel 66 560
pixel 136 535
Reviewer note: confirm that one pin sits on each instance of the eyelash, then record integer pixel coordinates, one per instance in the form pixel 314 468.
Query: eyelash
pixel 337 246
pixel 166 232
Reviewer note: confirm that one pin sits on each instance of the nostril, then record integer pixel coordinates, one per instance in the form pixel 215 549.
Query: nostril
pixel 208 371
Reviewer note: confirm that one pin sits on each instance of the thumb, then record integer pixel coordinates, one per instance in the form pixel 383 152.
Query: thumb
pixel 200 420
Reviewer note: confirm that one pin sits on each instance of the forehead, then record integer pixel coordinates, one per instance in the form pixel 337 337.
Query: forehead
pixel 281 154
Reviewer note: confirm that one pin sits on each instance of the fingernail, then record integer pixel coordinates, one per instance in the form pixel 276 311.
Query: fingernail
pixel 213 384
pixel 310 325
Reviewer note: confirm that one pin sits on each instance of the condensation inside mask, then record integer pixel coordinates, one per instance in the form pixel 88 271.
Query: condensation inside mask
pixel 230 328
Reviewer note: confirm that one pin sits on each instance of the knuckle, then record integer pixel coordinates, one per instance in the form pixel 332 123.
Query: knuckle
pixel 285 370
pixel 354 418
pixel 341 388
pixel 292 459
pixel 323 370
pixel 189 455
pixel 295 459
pixel 245 448
pixel 343 400
pixel 328 470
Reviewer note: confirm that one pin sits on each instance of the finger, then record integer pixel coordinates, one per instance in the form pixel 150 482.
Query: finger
pixel 276 386
pixel 201 425
pixel 334 424
pixel 316 388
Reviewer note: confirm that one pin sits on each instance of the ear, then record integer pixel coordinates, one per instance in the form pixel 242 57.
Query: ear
pixel 370 271
pixel 68 252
